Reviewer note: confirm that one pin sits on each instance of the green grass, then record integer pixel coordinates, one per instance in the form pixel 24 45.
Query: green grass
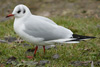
pixel 83 51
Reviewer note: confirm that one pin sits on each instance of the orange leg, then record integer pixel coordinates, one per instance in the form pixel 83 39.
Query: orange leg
pixel 44 48
pixel 31 57
pixel 35 50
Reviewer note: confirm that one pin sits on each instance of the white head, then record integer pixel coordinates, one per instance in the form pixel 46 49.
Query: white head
pixel 20 11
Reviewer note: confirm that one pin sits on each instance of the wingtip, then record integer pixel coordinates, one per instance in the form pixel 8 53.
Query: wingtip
pixel 82 37
pixel 92 37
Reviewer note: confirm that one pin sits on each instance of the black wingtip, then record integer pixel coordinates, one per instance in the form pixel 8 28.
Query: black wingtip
pixel 82 37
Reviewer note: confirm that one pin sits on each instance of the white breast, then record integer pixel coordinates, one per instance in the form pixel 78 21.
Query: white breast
pixel 19 27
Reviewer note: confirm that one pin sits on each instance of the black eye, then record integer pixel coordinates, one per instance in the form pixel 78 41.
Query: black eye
pixel 19 11
pixel 24 11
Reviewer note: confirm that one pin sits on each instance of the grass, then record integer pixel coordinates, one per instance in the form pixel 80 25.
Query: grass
pixel 83 51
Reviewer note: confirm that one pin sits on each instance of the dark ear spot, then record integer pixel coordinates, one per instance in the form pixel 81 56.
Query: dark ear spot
pixel 24 11
pixel 18 11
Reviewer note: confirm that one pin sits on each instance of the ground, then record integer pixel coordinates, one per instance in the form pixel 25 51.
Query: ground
pixel 53 8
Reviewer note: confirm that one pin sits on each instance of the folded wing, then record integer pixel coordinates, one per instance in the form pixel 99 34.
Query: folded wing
pixel 46 30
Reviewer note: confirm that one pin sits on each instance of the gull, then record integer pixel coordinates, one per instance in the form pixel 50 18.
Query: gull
pixel 40 30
